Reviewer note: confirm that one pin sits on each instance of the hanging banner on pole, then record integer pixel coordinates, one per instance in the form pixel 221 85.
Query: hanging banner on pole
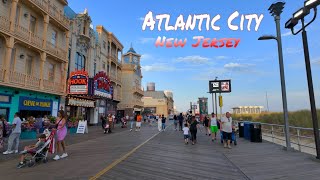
pixel 220 101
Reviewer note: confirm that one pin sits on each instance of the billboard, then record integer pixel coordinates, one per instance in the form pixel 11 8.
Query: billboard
pixel 220 86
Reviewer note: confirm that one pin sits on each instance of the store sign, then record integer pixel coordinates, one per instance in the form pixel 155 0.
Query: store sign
pixel 78 82
pixel 220 86
pixel 102 85
pixel 35 104
pixel 80 102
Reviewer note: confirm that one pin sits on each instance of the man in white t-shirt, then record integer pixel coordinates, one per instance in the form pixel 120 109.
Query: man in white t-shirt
pixel 213 126
pixel 227 130
pixel 15 135
pixel 186 133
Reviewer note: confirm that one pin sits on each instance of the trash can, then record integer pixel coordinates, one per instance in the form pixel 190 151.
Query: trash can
pixel 241 129
pixel 255 131
pixel 246 129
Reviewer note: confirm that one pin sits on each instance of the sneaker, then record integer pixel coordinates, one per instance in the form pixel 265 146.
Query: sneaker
pixel 229 147
pixel 16 151
pixel 23 152
pixel 56 158
pixel 7 152
pixel 225 145
pixel 130 129
pixel 64 155
pixel 21 165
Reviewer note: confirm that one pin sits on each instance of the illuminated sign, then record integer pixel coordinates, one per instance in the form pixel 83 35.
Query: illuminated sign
pixel 102 85
pixel 35 104
pixel 78 82
pixel 80 102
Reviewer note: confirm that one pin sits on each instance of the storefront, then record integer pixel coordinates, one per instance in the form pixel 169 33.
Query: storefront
pixel 79 103
pixel 103 92
pixel 28 103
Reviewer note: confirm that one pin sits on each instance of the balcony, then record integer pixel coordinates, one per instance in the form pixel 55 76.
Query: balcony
pixel 2 74
pixel 50 9
pixel 27 36
pixel 48 85
pixel 56 51
pixel 24 81
pixel 4 24
pixel 139 103
pixel 138 90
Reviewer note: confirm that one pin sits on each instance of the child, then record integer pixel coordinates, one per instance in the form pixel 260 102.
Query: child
pixel 186 133
pixel 31 149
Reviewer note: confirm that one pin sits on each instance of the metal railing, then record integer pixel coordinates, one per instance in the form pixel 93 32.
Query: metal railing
pixel 4 23
pixel 301 139
pixel 2 71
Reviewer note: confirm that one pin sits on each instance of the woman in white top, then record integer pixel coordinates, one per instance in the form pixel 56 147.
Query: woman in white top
pixel 159 123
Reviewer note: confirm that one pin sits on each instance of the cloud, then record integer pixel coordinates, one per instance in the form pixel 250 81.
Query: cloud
pixel 158 67
pixel 221 57
pixel 316 61
pixel 193 59
pixel 293 50
pixel 146 40
pixel 238 67
pixel 146 57
pixel 289 33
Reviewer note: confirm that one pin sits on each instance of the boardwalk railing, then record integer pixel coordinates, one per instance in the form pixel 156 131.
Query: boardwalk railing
pixel 302 139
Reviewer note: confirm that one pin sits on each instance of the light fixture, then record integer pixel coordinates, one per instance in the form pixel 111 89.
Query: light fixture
pixel 21 56
pixel 301 13
pixel 291 23
pixel 311 3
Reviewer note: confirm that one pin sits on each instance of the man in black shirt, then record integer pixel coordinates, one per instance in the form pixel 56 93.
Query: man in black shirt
pixel 180 118
pixel 163 119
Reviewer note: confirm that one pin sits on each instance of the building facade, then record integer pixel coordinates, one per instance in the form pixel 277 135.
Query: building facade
pixel 170 100
pixel 247 109
pixel 157 102
pixel 33 57
pixel 132 92
pixel 110 62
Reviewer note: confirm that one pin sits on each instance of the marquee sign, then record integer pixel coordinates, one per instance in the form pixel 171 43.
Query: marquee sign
pixel 220 86
pixel 102 85
pixel 78 82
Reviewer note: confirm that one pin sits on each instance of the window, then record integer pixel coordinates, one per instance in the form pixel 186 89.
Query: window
pixel 127 59
pixel 13 59
pixel 95 68
pixel 54 38
pixel 51 69
pixel 17 15
pixel 29 65
pixel 80 62
pixel 33 23
pixel 104 66
pixel 84 29
pixel 104 45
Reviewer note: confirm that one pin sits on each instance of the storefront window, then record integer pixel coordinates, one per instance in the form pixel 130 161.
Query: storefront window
pixel 5 113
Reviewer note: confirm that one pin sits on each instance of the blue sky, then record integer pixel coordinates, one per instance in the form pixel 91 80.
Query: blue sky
pixel 252 66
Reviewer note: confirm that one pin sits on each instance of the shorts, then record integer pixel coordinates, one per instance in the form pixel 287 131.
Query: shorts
pixel 186 136
pixel 214 129
pixel 227 136
pixel 138 124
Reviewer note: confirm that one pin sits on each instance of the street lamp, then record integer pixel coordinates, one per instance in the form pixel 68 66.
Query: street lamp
pixel 276 10
pixel 290 24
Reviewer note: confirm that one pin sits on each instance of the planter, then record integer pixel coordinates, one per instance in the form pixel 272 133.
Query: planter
pixel 28 135
pixel 73 130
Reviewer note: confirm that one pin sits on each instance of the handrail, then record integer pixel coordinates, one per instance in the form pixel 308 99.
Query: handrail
pixel 299 136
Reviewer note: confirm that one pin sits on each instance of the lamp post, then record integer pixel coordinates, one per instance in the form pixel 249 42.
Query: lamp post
pixel 290 24
pixel 215 101
pixel 276 10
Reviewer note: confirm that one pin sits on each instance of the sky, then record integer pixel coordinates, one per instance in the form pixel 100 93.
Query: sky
pixel 252 66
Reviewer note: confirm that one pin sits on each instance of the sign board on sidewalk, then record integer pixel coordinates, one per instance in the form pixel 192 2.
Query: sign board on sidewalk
pixel 220 86
pixel 82 127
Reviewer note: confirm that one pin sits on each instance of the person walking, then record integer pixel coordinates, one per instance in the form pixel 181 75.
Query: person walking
pixel 110 121
pixel 138 123
pixel 163 120
pixel 61 135
pixel 15 135
pixel 226 124
pixel 186 133
pixel 104 123
pixel 206 125
pixel 193 129
pixel 159 123
pixel 175 118
pixel 213 126
pixel 3 130
pixel 180 118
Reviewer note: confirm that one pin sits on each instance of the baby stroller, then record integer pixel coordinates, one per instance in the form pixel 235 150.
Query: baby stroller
pixel 41 155
pixel 233 136
pixel 124 123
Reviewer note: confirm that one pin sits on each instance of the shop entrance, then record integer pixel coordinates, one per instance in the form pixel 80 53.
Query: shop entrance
pixel 25 114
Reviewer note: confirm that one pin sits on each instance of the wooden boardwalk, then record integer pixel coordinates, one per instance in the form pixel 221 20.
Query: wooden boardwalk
pixel 165 156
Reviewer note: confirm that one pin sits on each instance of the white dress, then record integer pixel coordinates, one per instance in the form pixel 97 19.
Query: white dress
pixel 159 124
